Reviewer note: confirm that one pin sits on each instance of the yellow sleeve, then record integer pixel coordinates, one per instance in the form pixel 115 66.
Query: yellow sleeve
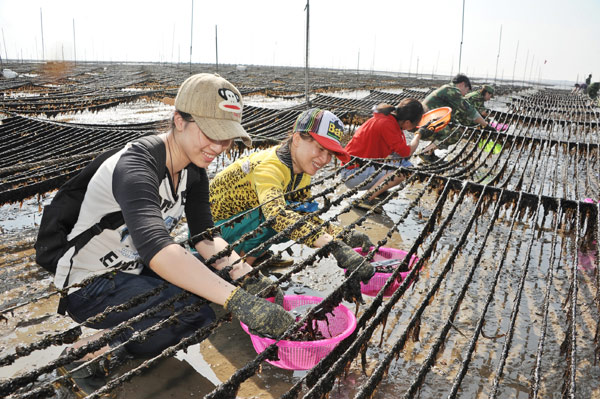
pixel 270 181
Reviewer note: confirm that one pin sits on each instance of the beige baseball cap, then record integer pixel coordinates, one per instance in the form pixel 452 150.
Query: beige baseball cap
pixel 216 106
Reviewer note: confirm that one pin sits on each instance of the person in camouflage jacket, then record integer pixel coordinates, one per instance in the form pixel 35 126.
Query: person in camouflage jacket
pixel 450 95
pixel 477 99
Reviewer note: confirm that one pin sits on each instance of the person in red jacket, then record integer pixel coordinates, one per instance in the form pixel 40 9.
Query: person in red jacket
pixel 382 136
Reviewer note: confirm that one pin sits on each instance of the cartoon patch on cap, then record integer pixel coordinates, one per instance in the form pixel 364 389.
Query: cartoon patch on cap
pixel 335 130
pixel 231 101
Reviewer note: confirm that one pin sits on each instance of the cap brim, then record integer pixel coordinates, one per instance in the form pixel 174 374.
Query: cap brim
pixel 223 129
pixel 332 146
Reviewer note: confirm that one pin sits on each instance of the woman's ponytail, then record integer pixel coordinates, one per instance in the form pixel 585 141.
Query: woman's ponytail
pixel 409 109
pixel 384 108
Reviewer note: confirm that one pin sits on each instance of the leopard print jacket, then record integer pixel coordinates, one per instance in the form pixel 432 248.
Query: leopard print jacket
pixel 266 178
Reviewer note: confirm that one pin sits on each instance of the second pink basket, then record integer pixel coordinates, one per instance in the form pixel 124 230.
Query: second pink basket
pixel 378 280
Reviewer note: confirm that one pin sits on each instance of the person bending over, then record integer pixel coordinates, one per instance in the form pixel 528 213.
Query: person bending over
pixel 272 182
pixel 383 136
pixel 142 255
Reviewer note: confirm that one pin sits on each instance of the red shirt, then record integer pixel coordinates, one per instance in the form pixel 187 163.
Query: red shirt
pixel 378 137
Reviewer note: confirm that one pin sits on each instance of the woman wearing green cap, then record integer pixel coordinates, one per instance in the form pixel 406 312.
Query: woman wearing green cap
pixel 153 183
pixel 477 99
pixel 264 184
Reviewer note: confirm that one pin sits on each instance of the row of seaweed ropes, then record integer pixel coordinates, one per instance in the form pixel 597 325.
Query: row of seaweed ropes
pixel 548 106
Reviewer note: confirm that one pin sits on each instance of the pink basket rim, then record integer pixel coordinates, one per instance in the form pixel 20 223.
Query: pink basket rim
pixel 414 259
pixel 307 344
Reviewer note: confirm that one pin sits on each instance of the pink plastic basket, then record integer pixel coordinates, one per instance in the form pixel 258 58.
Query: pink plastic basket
pixel 304 355
pixel 501 127
pixel 378 280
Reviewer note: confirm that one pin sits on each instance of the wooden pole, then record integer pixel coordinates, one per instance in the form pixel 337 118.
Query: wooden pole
pixel 42 28
pixel 373 60
pixel 515 65
pixel 307 48
pixel 217 48
pixel 358 66
pixel 4 41
pixel 525 69
pixel 191 36
pixel 461 37
pixel 410 62
pixel 531 67
pixel 417 74
pixel 74 45
pixel 173 45
pixel 498 56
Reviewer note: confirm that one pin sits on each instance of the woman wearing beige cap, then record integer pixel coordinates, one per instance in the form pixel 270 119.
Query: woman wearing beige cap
pixel 267 183
pixel 153 182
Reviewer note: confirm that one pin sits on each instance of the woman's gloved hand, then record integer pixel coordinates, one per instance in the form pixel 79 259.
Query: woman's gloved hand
pixel 356 239
pixel 262 317
pixel 427 131
pixel 349 259
pixel 258 283
pixel 428 126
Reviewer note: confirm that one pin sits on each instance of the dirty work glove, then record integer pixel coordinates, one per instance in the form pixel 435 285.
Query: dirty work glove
pixel 356 239
pixel 349 259
pixel 489 128
pixel 428 126
pixel 262 317
pixel 426 132
pixel 258 283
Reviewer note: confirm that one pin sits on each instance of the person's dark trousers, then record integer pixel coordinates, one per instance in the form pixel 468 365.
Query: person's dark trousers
pixel 119 289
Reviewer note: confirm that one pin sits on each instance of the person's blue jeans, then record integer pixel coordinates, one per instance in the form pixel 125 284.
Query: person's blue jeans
pixel 118 289
pixel 358 178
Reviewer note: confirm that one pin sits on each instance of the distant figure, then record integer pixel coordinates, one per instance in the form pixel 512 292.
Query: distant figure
pixel 576 89
pixel 450 95
pixel 584 86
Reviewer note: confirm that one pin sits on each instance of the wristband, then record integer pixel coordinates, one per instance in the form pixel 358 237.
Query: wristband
pixel 230 296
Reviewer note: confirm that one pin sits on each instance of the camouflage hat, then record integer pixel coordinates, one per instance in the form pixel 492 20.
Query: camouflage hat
pixel 488 88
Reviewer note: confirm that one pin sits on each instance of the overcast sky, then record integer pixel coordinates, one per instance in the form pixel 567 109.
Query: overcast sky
pixel 551 39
